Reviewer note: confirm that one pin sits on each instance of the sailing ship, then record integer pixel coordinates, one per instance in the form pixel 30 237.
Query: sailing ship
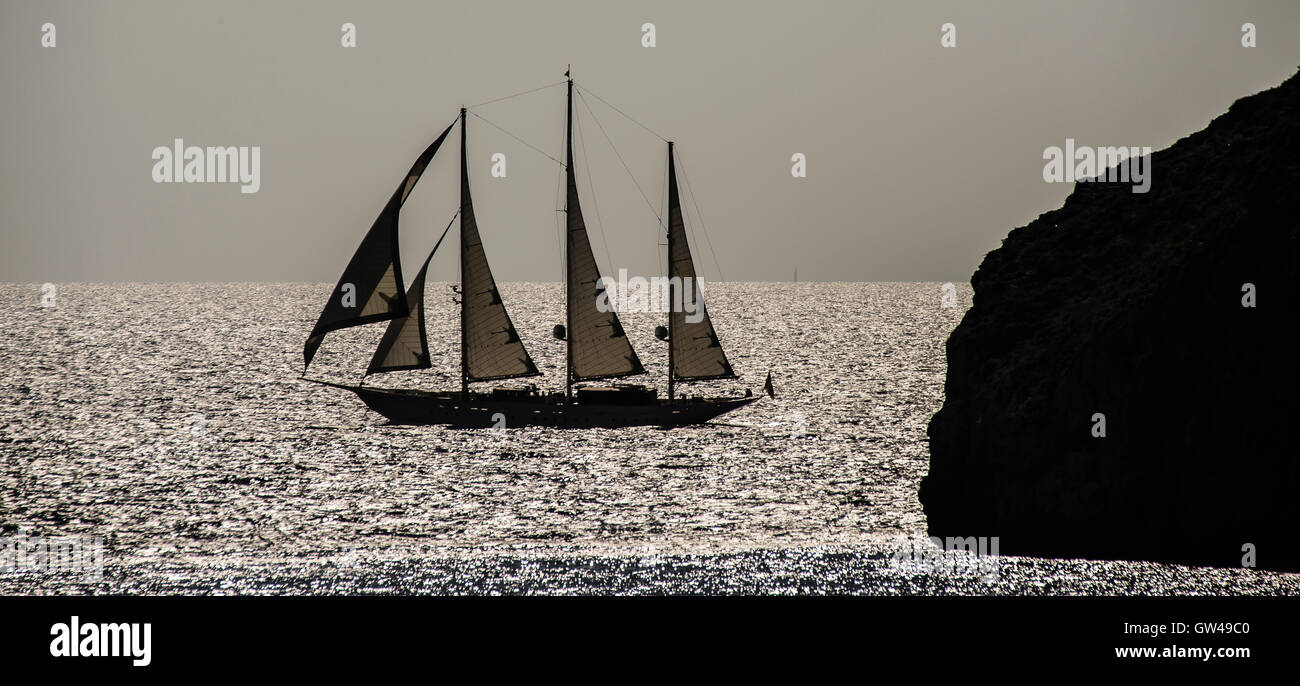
pixel 370 291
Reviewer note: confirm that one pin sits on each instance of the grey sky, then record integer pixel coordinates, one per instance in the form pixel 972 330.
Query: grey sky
pixel 920 158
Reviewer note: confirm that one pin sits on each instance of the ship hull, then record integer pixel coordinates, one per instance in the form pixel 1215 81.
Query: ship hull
pixel 482 411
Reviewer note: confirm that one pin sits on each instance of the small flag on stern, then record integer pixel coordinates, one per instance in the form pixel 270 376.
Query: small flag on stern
pixel 767 386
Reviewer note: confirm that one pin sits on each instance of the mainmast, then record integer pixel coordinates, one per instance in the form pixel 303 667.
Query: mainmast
pixel 671 292
pixel 568 311
pixel 464 295
pixel 597 344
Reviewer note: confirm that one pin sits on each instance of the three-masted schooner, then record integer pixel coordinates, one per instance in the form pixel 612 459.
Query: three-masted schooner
pixel 370 290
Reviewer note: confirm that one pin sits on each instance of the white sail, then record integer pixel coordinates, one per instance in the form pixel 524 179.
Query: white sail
pixel 598 346
pixel 696 352
pixel 492 347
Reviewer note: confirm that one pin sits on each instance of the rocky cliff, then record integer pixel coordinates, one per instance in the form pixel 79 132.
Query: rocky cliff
pixel 1133 306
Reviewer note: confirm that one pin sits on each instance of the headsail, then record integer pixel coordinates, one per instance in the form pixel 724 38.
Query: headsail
pixel 492 348
pixel 370 289
pixel 404 345
pixel 598 347
pixel 696 352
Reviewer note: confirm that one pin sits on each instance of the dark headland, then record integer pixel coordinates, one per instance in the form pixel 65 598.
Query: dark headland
pixel 1134 306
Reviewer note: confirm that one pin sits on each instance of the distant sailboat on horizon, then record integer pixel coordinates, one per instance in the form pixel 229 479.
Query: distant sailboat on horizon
pixel 370 290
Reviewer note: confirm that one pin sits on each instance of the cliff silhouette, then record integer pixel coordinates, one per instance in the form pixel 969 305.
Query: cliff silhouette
pixel 1131 305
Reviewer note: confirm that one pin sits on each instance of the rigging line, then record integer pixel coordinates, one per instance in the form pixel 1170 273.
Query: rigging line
pixel 561 217
pixel 620 159
pixel 444 231
pixel 435 249
pixel 560 213
pixel 663 191
pixel 534 147
pixel 444 235
pixel 534 90
pixel 591 184
pixel 705 229
pixel 625 114
pixel 663 207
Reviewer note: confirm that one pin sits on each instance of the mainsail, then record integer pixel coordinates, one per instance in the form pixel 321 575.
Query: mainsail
pixel 696 352
pixel 404 345
pixel 370 289
pixel 598 347
pixel 492 349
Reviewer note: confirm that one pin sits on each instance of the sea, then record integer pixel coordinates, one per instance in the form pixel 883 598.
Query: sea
pixel 165 427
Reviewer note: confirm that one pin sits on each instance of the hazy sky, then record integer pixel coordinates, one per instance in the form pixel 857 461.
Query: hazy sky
pixel 919 158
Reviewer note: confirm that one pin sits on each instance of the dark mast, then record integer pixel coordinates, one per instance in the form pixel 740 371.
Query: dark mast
pixel 598 347
pixel 568 311
pixel 671 293
pixel 464 295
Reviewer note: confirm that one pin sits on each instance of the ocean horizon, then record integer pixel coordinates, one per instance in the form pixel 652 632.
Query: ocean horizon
pixel 170 420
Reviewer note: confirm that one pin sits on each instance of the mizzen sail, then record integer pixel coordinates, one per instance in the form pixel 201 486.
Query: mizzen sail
pixel 696 352
pixel 492 349
pixel 598 347
pixel 370 289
